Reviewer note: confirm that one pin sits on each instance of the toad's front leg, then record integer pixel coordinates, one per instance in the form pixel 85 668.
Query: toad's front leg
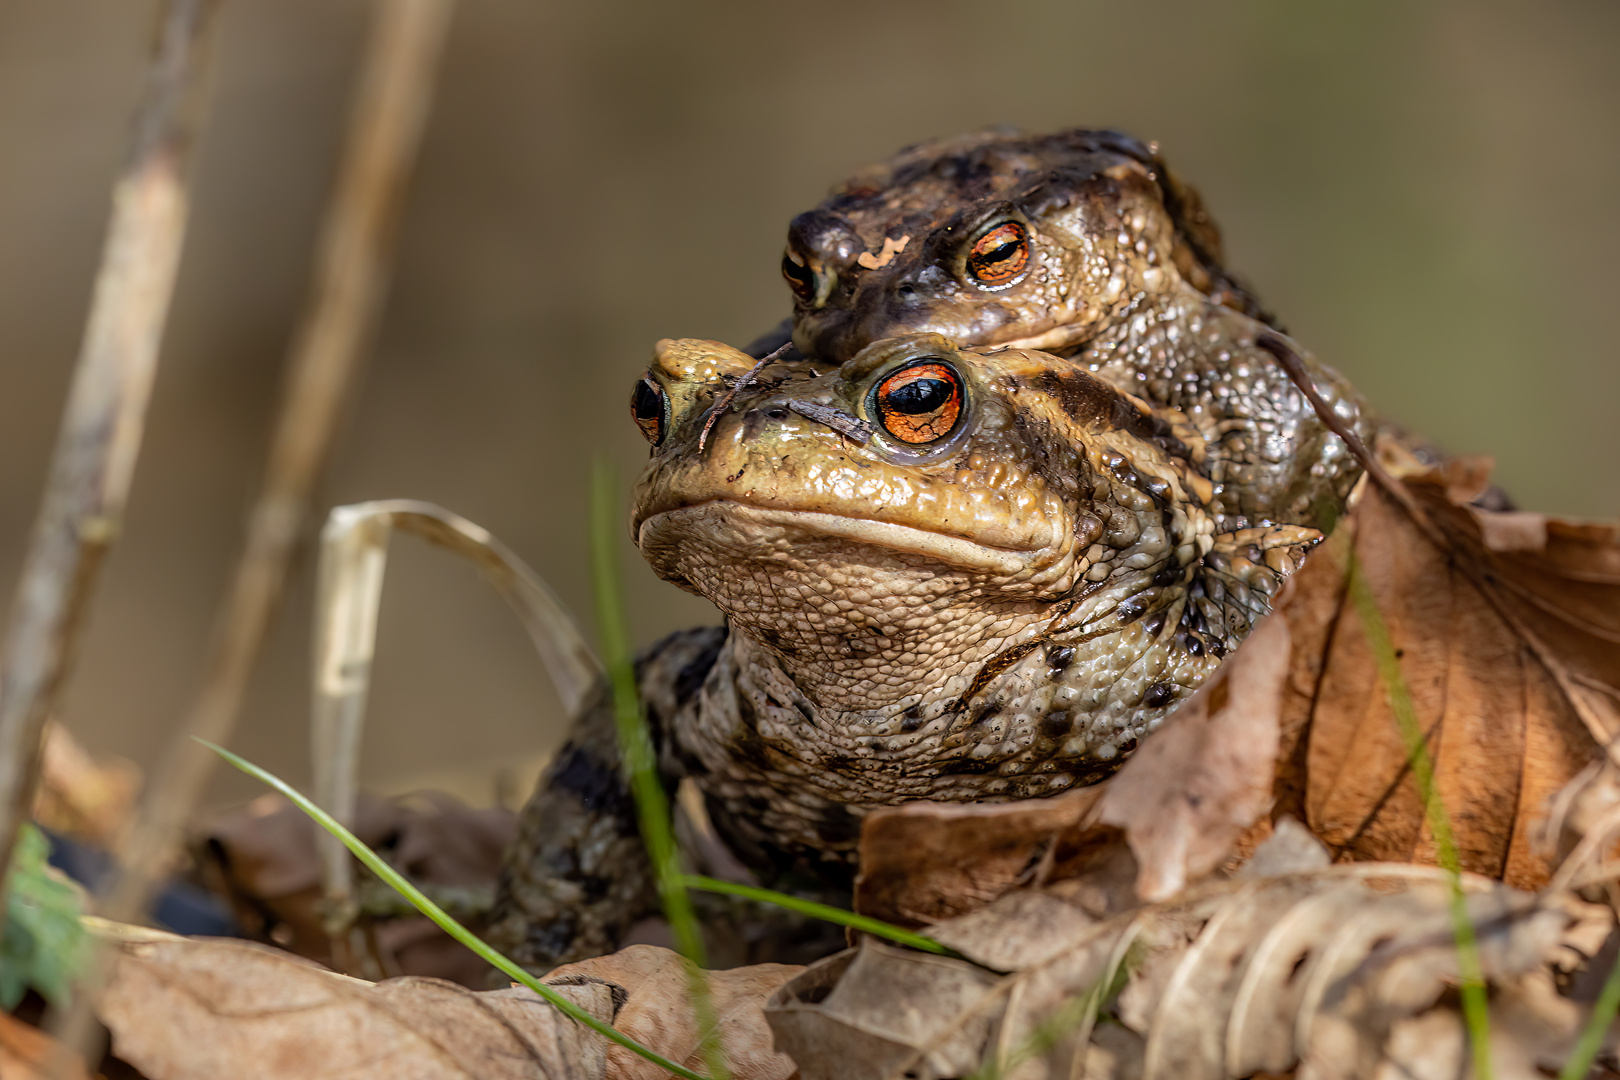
pixel 578 877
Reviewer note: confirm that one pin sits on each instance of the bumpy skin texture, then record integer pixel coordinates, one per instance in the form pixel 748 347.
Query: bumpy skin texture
pixel 1001 612
pixel 1123 275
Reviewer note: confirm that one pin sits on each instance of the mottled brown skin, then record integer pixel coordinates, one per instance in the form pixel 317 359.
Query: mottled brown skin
pixel 1124 276
pixel 1001 611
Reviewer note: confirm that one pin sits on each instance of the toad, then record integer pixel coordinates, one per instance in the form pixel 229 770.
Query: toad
pixel 1083 244
pixel 958 574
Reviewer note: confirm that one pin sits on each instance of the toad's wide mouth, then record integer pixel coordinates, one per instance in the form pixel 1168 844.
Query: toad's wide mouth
pixel 729 521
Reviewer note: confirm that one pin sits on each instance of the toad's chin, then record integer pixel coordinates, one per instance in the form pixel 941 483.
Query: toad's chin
pixel 759 531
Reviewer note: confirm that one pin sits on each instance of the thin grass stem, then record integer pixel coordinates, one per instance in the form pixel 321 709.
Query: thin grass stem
pixel 1476 1008
pixel 640 760
pixel 825 912
pixel 397 881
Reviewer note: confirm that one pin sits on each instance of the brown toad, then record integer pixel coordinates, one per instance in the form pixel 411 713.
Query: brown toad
pixel 951 574
pixel 1081 243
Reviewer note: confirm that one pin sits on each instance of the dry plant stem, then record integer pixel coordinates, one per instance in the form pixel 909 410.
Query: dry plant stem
pixel 354 557
pixel 384 132
pixel 88 486
pixel 736 388
pixel 385 128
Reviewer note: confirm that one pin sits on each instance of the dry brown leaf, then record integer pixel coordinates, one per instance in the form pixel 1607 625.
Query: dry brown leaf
pixel 1346 972
pixel 926 861
pixel 1509 642
pixel 1221 748
pixel 198 1009
pixel 657 1012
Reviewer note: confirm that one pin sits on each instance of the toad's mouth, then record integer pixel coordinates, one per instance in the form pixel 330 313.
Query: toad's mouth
pixel 737 524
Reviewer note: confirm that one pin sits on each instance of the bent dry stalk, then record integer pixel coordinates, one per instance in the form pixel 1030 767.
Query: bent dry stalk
pixel 353 561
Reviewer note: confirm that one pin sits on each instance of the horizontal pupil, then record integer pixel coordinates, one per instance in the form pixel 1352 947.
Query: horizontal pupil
pixel 999 254
pixel 919 396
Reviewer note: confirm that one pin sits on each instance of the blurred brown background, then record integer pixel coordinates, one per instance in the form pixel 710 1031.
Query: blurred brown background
pixel 1423 190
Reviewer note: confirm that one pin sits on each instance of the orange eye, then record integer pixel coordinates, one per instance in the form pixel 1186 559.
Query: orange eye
pixel 921 403
pixel 800 278
pixel 999 256
pixel 647 406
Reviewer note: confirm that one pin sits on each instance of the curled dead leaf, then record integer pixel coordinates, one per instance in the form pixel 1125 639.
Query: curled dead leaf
pixel 1509 643
pixel 1345 972
pixel 198 1009
pixel 657 1012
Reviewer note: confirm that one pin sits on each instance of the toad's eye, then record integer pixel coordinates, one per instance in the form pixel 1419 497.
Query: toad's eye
pixel 999 256
pixel 921 403
pixel 648 405
pixel 800 278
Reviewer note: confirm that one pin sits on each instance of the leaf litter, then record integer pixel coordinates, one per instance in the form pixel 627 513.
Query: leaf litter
pixel 1178 920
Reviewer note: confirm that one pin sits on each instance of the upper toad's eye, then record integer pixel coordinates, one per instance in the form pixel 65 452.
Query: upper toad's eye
pixel 999 256
pixel 921 403
pixel 647 405
pixel 800 278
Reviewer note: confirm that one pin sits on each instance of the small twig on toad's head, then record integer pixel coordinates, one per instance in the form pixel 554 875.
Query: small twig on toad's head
pixel 856 430
pixel 736 388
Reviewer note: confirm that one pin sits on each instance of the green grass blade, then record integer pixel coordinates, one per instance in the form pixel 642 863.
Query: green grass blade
pixel 640 760
pixel 1597 1025
pixel 394 879
pixel 825 912
pixel 1476 1008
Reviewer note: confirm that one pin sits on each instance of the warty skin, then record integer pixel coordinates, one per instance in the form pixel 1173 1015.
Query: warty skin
pixel 1001 611
pixel 1121 272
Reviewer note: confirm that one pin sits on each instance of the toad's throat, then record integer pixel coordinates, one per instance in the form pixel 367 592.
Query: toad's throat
pixel 730 521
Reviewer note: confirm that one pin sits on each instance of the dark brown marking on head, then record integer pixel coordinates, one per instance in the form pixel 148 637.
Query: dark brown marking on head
pixel 1085 400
